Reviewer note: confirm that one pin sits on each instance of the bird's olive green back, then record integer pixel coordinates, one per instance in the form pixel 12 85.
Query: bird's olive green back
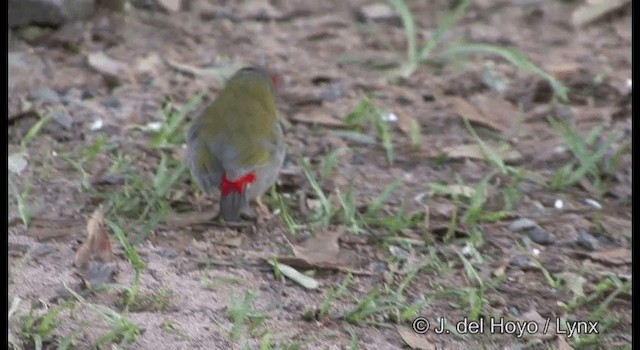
pixel 244 109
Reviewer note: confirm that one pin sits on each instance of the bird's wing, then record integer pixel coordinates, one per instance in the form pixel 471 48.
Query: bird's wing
pixel 205 166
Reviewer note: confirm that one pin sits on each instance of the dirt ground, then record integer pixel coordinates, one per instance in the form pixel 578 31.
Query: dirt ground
pixel 85 101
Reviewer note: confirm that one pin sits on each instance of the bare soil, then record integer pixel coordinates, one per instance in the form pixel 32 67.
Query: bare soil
pixel 330 56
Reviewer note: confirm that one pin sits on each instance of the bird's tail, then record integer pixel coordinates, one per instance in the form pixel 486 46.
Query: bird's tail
pixel 232 205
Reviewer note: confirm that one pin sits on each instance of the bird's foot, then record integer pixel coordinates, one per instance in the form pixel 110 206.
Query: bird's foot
pixel 259 214
pixel 263 212
pixel 200 201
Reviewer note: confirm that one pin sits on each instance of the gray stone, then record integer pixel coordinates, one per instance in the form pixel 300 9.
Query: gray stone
pixel 522 224
pixel 48 12
pixel 168 253
pixel 44 95
pixel 541 236
pixel 63 119
pixel 520 261
pixel 586 240
pixel 42 250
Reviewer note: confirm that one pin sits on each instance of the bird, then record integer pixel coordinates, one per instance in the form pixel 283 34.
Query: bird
pixel 236 144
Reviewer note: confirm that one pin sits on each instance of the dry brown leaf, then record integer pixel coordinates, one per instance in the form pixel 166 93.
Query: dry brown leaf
pixel 441 208
pixel 110 68
pixel 259 9
pixel 461 190
pixel 623 28
pixel 615 226
pixel 216 74
pixel 44 233
pixel 562 343
pixel 497 110
pixel 415 340
pixel 474 151
pixel 592 11
pixel 170 5
pixel 233 241
pixel 405 118
pixel 94 259
pixel 533 315
pixel 377 12
pixel 615 256
pixel 317 118
pixel 190 218
pixel 466 110
pixel 321 248
pixel 562 70
pixel 150 63
pixel 43 229
pixel 322 251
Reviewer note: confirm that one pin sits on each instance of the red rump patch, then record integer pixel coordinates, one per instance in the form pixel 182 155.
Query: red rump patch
pixel 227 186
pixel 276 81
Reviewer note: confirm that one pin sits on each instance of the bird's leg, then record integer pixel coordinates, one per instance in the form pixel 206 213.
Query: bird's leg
pixel 263 212
pixel 200 200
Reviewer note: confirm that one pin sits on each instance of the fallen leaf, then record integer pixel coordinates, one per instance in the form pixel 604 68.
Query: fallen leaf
pixel 615 256
pixel 318 118
pixel 405 119
pixel 377 12
pixel 110 68
pixel 17 162
pixel 574 282
pixel 415 340
pixel 94 259
pixel 296 276
pixel 190 218
pixel 219 73
pixel 170 5
pixel 400 253
pixel 532 315
pixel 232 241
pixel 497 110
pixel 355 136
pixel 474 151
pixel 468 111
pixel 562 343
pixel 322 251
pixel 321 248
pixel 43 229
pixel 592 11
pixel 461 190
pixel 615 226
pixel 149 64
pixel 259 10
pixel 441 208
pixel 562 70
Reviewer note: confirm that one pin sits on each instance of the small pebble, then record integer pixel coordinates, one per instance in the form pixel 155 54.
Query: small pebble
pixel 334 92
pixel 541 236
pixel 593 203
pixel 112 179
pixel 522 224
pixel 42 250
pixel 520 261
pixel 96 125
pixel 63 119
pixel 559 204
pixel 168 253
pixel 586 240
pixel 379 267
pixel 44 95
pixel 399 253
pixel 112 103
